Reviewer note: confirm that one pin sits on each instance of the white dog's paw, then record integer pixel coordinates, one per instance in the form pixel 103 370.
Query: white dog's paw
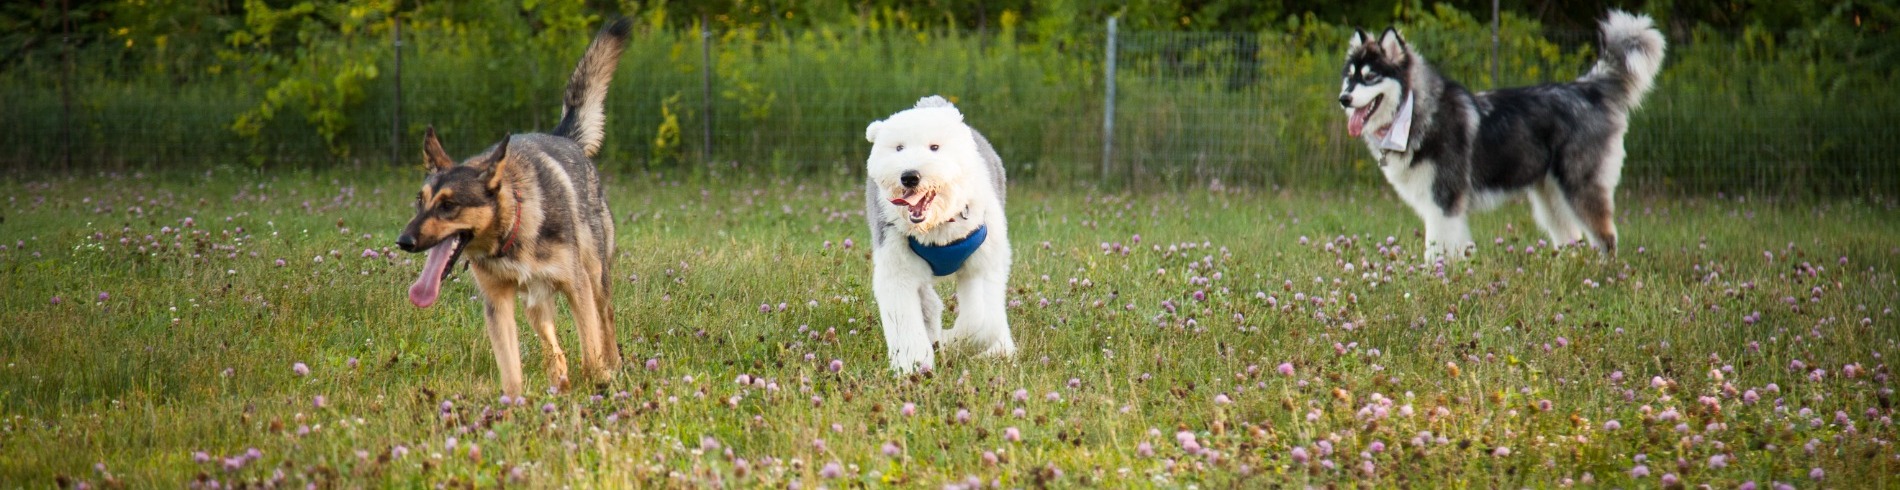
pixel 905 362
pixel 990 342
pixel 999 350
pixel 1448 253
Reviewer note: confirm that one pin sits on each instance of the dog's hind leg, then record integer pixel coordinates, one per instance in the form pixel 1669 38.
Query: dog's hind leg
pixel 541 315
pixel 1594 205
pixel 581 300
pixel 901 309
pixel 1553 213
pixel 933 312
pixel 603 299
pixel 499 312
pixel 982 319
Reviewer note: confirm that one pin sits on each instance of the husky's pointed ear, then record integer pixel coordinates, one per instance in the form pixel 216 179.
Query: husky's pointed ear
pixel 1392 44
pixel 1359 38
pixel 494 168
pixel 870 131
pixel 434 159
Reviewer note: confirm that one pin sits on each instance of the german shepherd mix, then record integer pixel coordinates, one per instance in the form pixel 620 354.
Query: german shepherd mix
pixel 531 216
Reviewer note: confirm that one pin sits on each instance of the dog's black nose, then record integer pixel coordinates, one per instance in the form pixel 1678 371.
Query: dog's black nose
pixel 910 179
pixel 1345 100
pixel 406 243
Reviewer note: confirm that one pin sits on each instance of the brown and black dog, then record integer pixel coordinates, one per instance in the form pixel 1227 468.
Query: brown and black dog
pixel 531 217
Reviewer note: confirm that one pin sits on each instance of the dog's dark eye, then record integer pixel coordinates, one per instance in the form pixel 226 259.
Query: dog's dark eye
pixel 900 147
pixel 1369 77
pixel 445 207
pixel 933 147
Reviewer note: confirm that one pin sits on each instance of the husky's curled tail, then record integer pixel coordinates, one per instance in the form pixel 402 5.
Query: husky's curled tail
pixel 583 118
pixel 1627 62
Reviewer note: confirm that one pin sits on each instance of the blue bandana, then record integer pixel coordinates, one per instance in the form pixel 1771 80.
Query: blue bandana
pixel 948 258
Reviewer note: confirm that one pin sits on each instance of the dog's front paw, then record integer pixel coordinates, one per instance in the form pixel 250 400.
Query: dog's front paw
pixel 999 350
pixel 904 362
pixel 1448 253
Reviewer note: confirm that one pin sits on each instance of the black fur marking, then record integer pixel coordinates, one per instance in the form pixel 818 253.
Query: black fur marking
pixel 557 218
pixel 555 232
pixel 1513 139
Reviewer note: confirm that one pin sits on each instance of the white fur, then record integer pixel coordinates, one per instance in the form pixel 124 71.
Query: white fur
pixel 1447 233
pixel 1644 62
pixel 908 305
pixel 1447 236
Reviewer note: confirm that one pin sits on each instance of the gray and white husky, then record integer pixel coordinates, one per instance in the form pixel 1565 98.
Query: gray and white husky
pixel 1446 149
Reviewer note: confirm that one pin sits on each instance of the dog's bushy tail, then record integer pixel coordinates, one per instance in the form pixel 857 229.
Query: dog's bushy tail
pixel 1627 63
pixel 582 116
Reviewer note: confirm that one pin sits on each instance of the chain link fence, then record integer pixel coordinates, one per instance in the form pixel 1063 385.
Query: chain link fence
pixel 1175 110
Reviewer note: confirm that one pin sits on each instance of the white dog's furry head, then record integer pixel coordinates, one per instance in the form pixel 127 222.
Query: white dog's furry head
pixel 925 162
pixel 1373 83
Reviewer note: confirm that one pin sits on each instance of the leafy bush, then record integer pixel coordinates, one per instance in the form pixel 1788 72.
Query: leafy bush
pixel 315 84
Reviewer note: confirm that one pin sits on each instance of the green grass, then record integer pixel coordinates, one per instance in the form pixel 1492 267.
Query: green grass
pixel 192 348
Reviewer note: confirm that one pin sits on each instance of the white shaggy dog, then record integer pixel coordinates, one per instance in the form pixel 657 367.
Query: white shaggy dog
pixel 934 199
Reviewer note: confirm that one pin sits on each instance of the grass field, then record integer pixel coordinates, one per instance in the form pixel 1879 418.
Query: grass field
pixel 244 328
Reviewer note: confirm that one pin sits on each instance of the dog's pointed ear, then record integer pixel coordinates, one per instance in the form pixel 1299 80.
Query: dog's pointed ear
pixel 495 167
pixel 1359 38
pixel 870 131
pixel 434 159
pixel 1392 43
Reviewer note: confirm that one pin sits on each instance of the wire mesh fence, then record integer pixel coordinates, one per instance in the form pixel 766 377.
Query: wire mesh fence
pixel 1188 109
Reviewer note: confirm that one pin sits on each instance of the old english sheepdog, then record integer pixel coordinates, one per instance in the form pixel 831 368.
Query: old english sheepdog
pixel 934 198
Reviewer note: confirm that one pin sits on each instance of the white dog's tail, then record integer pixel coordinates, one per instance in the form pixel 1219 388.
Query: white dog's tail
pixel 583 114
pixel 1627 63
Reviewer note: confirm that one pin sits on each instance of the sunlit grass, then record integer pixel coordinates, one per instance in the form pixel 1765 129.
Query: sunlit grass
pixel 1215 337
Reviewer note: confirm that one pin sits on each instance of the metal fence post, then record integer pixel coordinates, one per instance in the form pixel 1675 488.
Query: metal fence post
pixel 395 118
pixel 66 84
pixel 1494 44
pixel 1108 104
pixel 705 87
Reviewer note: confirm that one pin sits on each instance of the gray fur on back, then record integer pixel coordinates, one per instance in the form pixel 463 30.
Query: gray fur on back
pixel 874 208
pixel 997 179
pixel 551 182
pixel 874 213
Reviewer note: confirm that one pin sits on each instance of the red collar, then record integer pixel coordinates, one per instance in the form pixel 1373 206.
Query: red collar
pixel 513 229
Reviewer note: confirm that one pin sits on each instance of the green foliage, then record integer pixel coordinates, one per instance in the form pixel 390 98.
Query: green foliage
pixel 313 84
pixel 1526 55
pixel 307 57
pixel 666 140
pixel 741 84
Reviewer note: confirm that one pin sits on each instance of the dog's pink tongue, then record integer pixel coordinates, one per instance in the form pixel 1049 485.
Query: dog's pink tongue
pixel 904 201
pixel 428 287
pixel 1356 125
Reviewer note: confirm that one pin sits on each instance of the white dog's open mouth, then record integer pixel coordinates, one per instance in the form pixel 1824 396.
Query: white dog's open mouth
pixel 918 206
pixel 1356 125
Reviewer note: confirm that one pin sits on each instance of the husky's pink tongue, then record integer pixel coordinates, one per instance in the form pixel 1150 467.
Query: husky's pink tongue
pixel 428 287
pixel 1356 125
